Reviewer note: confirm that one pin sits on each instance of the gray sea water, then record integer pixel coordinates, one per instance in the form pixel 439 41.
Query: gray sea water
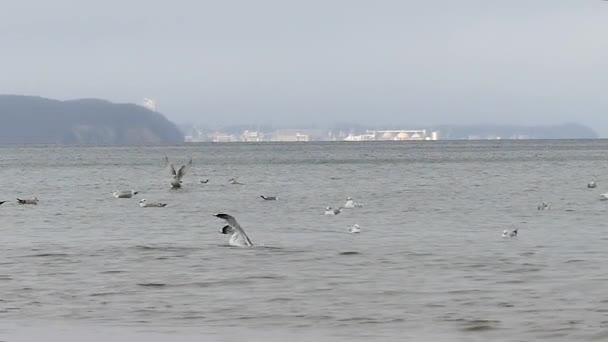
pixel 429 264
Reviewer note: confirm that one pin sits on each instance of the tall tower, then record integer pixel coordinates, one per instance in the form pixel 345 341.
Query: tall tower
pixel 150 104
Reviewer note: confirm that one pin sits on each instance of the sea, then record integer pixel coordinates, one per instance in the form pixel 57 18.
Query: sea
pixel 430 263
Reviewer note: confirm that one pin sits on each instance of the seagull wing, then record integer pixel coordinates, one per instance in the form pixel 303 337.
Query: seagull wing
pixel 234 224
pixel 184 169
pixel 170 167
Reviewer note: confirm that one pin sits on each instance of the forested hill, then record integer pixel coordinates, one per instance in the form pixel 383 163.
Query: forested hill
pixel 36 120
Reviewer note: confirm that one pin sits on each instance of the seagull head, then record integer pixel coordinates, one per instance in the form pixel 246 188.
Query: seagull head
pixel 227 230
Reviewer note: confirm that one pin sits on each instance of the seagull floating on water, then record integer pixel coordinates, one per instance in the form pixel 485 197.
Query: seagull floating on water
pixel 350 204
pixel 33 201
pixel 543 206
pixel 591 185
pixel 176 182
pixel 329 211
pixel 269 198
pixel 354 229
pixel 509 233
pixel 124 194
pixel 238 238
pixel 604 197
pixel 145 204
pixel 234 182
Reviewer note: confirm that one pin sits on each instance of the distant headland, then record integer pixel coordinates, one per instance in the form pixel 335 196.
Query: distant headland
pixel 37 120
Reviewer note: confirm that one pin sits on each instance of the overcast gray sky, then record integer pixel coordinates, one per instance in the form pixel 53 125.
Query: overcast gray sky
pixel 318 61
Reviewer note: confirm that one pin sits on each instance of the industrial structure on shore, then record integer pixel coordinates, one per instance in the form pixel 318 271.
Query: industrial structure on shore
pixel 394 135
pixel 305 135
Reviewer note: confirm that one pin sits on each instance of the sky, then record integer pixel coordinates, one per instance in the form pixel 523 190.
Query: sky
pixel 283 62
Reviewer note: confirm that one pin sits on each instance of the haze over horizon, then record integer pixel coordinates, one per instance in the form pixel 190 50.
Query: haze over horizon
pixel 316 62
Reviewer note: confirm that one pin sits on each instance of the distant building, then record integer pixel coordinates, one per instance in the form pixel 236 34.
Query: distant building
pixel 362 137
pixel 290 135
pixel 248 136
pixel 394 135
pixel 223 137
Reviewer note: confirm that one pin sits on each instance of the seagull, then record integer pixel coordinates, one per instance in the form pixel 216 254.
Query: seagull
pixel 591 185
pixel 350 203
pixel 234 182
pixel 543 206
pixel 145 204
pixel 269 198
pixel 33 201
pixel 176 182
pixel 329 211
pixel 238 238
pixel 604 197
pixel 509 234
pixel 124 194
pixel 354 229
pixel 204 181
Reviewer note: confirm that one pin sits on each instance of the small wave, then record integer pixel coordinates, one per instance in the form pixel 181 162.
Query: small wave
pixel 267 277
pixel 47 255
pixel 505 305
pixel 152 284
pixel 349 253
pixel 103 294
pixel 369 320
pixel 280 299
pixel 112 272
pixel 478 324
pixel 163 248
pixel 514 281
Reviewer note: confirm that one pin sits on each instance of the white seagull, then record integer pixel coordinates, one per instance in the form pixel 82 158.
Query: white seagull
pixel 543 206
pixel 124 194
pixel 238 238
pixel 350 204
pixel 509 234
pixel 234 182
pixel 354 229
pixel 176 182
pixel 604 197
pixel 33 201
pixel 329 211
pixel 145 204
pixel 591 185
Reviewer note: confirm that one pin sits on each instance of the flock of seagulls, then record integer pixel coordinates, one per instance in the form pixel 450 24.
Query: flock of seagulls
pixel 545 206
pixel 238 237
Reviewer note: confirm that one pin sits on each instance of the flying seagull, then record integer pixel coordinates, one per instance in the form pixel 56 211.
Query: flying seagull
pixel 176 182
